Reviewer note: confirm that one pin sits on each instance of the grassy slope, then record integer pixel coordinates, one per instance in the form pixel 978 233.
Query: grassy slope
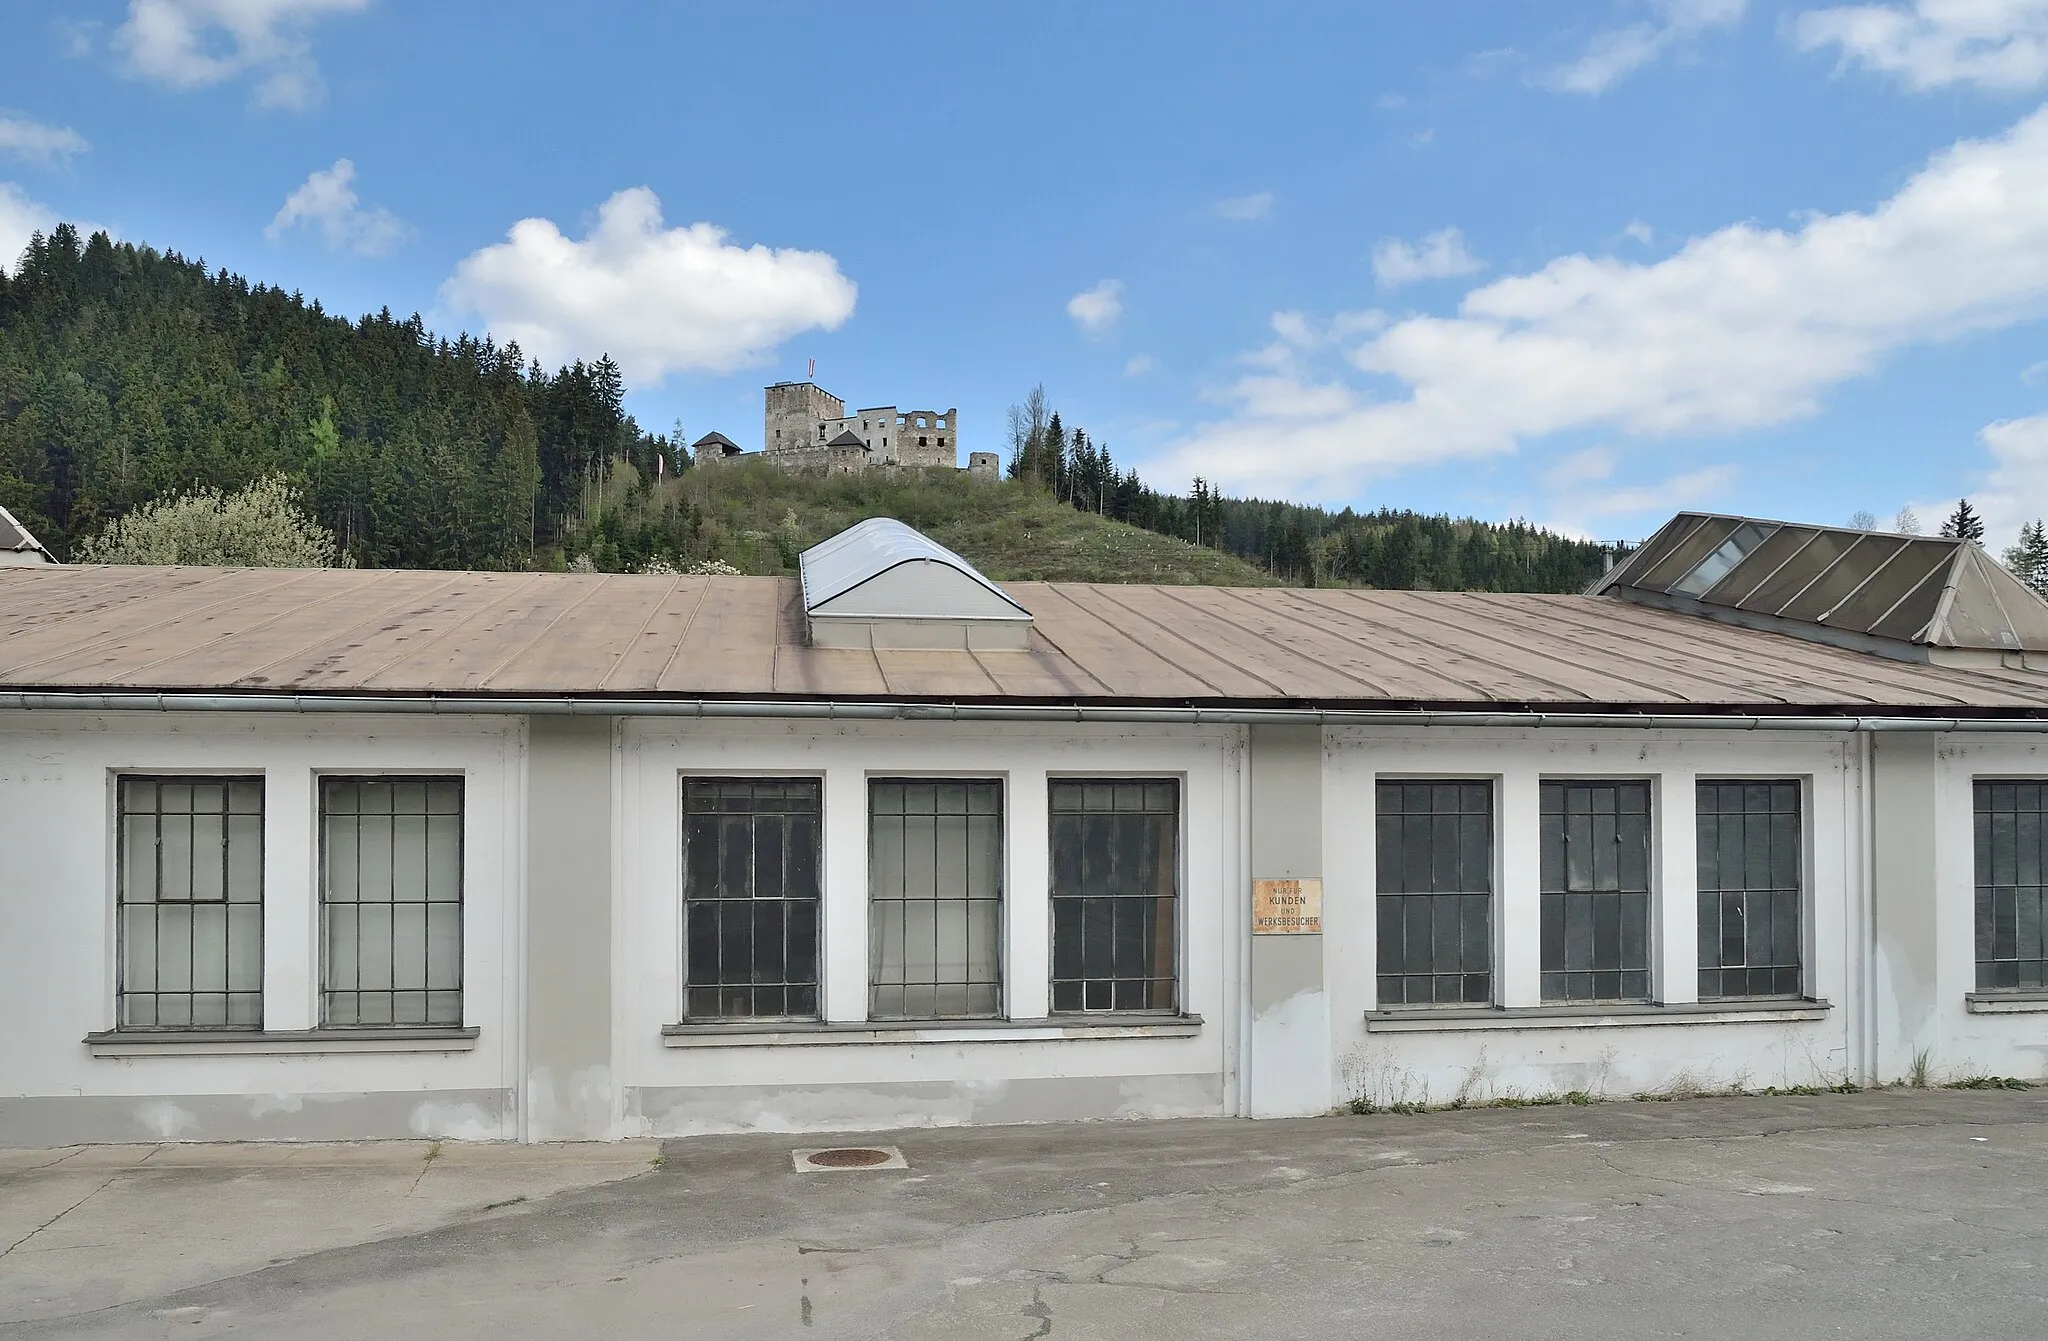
pixel 1010 531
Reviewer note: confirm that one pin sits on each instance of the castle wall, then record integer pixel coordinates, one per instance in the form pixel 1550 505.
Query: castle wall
pixel 927 438
pixel 793 411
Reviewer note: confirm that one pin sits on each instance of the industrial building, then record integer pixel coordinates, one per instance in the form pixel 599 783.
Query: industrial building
pixel 346 854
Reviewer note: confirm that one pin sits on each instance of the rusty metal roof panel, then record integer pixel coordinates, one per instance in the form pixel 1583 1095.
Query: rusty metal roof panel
pixel 549 634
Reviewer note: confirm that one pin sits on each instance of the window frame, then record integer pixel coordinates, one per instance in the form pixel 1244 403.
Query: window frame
pixel 683 779
pixel 1978 964
pixel 118 867
pixel 1652 891
pixel 1496 967
pixel 1180 895
pixel 321 990
pixel 1803 785
pixel 1004 965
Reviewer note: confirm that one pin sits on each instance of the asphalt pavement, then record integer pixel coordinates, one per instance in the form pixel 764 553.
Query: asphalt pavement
pixel 1900 1213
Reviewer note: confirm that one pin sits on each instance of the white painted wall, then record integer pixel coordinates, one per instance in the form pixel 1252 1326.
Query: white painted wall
pixel 1969 1044
pixel 57 927
pixel 674 1091
pixel 1609 1060
pixel 57 935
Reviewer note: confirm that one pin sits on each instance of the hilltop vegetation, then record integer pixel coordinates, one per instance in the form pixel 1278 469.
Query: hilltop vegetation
pixel 758 518
pixel 129 376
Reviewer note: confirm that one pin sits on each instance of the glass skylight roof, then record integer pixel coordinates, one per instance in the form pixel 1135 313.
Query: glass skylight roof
pixel 1918 590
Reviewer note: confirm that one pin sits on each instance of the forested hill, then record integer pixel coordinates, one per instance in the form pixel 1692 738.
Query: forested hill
pixel 127 375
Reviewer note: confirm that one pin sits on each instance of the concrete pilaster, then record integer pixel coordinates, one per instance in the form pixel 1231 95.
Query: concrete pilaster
pixel 569 1094
pixel 1905 978
pixel 1289 1067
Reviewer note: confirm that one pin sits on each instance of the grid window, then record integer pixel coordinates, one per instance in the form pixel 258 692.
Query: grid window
pixel 1596 891
pixel 2012 921
pixel 750 897
pixel 1435 893
pixel 1115 887
pixel 190 903
pixel 1749 888
pixel 935 855
pixel 391 901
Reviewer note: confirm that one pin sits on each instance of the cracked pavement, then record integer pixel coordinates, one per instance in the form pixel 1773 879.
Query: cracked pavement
pixel 1892 1214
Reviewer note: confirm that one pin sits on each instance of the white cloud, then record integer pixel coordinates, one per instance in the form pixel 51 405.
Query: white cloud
pixel 1639 233
pixel 1441 255
pixel 1096 310
pixel 2034 373
pixel 1140 364
pixel 37 143
pixel 659 300
pixel 2015 488
pixel 1255 206
pixel 20 219
pixel 327 200
pixel 1615 53
pixel 188 44
pixel 1994 44
pixel 1745 327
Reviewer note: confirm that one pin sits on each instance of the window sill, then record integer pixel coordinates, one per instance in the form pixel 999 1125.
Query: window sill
pixel 813 1033
pixel 1430 1019
pixel 249 1042
pixel 2006 1003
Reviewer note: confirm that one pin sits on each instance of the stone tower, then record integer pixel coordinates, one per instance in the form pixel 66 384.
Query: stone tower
pixel 795 416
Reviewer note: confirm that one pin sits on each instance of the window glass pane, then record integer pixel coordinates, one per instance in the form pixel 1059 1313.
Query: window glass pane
pixel 1115 895
pixel 750 896
pixel 1435 845
pixel 1750 888
pixel 2012 920
pixel 391 901
pixel 1595 942
pixel 935 896
pixel 189 902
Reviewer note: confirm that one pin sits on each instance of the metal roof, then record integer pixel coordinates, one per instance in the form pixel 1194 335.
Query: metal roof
pixel 715 438
pixel 15 538
pixel 847 438
pixel 1915 596
pixel 344 631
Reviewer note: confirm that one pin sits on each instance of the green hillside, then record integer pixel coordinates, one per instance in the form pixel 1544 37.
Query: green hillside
pixel 758 518
pixel 129 375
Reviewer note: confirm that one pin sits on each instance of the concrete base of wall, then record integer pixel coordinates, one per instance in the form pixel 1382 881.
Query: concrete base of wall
pixel 463 1115
pixel 707 1110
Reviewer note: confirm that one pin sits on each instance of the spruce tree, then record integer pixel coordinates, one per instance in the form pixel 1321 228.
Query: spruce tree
pixel 2027 560
pixel 1964 524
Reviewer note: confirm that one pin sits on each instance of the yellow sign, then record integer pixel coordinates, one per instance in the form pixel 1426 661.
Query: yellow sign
pixel 1287 907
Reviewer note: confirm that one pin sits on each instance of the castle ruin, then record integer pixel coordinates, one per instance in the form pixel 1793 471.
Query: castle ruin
pixel 806 429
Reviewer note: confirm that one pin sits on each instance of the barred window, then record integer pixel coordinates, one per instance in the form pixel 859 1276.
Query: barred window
pixel 1115 894
pixel 2012 923
pixel 750 897
pixel 1750 877
pixel 189 906
pixel 391 901
pixel 1595 891
pixel 1435 893
pixel 935 856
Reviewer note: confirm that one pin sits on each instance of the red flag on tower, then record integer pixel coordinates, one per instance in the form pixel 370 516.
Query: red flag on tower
pixel 813 373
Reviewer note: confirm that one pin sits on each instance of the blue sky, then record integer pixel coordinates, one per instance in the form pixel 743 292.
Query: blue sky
pixel 1579 263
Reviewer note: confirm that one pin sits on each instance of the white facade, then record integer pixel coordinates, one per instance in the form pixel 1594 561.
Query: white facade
pixel 1267 1025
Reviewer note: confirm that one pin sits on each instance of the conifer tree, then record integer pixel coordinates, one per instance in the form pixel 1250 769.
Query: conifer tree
pixel 1964 524
pixel 2027 559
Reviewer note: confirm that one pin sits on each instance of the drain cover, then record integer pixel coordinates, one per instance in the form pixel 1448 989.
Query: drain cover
pixel 848 1157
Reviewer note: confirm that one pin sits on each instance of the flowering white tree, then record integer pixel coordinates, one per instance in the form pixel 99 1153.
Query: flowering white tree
pixel 262 526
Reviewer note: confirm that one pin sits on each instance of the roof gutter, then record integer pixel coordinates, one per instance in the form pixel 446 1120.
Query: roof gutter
pixel 807 709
